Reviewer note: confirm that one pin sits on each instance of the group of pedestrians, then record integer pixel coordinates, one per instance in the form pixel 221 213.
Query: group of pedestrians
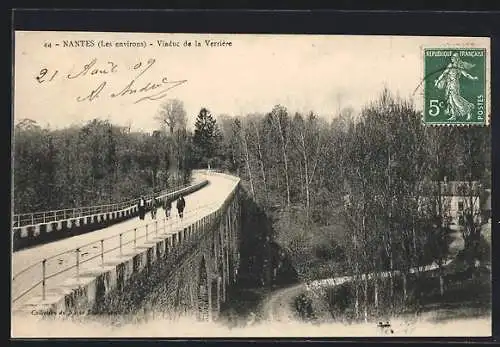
pixel 167 206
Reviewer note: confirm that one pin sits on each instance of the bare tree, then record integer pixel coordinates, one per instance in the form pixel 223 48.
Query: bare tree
pixel 308 141
pixel 280 121
pixel 473 162
pixel 241 133
pixel 260 156
pixel 172 115
pixel 172 118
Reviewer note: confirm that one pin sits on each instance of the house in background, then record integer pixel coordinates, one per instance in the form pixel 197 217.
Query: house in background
pixel 486 205
pixel 457 198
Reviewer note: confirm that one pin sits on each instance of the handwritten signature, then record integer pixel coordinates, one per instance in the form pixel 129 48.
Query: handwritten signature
pixel 146 89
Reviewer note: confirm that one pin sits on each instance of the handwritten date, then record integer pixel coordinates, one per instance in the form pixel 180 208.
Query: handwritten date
pixel 140 86
pixel 90 68
pixel 43 74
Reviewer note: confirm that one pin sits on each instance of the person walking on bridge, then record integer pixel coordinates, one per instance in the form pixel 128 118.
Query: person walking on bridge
pixel 167 206
pixel 154 207
pixel 141 207
pixel 181 204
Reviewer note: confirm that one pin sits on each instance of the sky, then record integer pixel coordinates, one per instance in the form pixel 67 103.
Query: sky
pixel 320 73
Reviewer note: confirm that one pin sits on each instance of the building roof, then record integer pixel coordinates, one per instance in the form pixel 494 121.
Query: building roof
pixel 452 188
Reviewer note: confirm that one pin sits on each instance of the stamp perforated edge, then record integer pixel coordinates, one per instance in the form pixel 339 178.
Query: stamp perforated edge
pixel 487 118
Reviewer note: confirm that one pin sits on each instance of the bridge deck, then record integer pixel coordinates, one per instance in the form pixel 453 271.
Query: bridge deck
pixel 198 204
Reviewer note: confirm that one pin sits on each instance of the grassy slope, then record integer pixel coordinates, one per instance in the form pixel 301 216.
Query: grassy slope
pixel 313 248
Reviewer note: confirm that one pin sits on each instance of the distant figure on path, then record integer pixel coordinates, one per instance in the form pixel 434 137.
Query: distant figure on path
pixel 154 207
pixel 141 206
pixel 167 206
pixel 181 204
pixel 385 328
pixel 251 319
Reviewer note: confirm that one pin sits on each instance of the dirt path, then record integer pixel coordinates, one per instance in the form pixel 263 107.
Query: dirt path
pixel 278 306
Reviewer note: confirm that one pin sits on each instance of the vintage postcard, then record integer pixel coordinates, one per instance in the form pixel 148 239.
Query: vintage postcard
pixel 237 185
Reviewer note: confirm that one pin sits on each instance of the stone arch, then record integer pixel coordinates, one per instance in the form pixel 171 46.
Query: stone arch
pixel 203 290
pixel 213 246
pixel 221 260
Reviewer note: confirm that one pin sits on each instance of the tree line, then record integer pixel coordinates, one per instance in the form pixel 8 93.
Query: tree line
pixel 364 192
pixel 99 162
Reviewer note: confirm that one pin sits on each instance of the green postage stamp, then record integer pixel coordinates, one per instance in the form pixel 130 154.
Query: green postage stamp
pixel 455 90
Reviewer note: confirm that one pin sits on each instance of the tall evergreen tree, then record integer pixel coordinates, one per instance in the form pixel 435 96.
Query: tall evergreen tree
pixel 206 139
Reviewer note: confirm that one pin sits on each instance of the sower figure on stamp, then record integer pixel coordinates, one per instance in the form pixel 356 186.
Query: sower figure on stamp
pixel 141 206
pixel 456 105
pixel 181 204
pixel 167 206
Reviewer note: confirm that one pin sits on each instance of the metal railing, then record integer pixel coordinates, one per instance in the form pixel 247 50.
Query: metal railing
pixel 220 172
pixel 28 219
pixel 40 271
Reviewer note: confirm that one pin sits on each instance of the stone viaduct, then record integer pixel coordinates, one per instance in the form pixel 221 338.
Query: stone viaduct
pixel 186 270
